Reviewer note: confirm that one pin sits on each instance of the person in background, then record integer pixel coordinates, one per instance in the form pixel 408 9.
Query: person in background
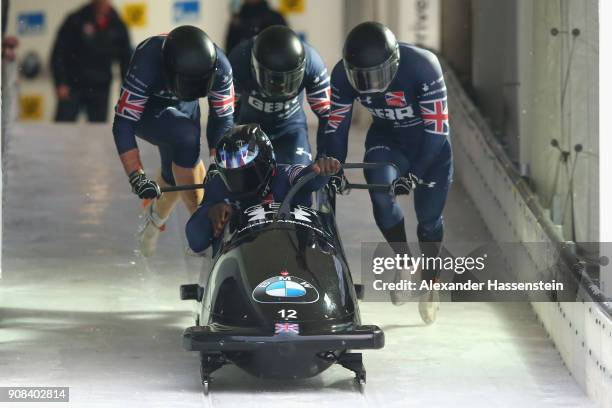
pixel 9 79
pixel 88 42
pixel 254 16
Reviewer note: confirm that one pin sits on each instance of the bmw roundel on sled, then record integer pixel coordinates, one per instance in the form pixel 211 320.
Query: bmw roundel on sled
pixel 279 300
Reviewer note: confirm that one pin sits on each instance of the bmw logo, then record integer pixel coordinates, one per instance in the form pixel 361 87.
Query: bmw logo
pixel 285 289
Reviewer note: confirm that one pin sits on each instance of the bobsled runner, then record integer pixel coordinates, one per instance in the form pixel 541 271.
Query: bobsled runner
pixel 279 300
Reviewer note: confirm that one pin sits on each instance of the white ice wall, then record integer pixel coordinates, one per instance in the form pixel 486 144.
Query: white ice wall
pixel 581 331
pixel 535 77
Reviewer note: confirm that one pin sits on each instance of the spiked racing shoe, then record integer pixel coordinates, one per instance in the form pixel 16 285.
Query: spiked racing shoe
pixel 149 230
pixel 399 297
pixel 429 304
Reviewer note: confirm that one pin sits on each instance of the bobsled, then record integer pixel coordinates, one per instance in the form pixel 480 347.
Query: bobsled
pixel 278 300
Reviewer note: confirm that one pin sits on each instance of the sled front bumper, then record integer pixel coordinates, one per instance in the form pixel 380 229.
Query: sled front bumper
pixel 202 338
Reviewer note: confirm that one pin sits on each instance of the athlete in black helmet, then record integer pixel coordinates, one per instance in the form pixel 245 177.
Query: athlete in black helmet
pixel 402 86
pixel 278 59
pixel 248 175
pixel 371 58
pixel 190 62
pixel 271 74
pixel 245 160
pixel 159 103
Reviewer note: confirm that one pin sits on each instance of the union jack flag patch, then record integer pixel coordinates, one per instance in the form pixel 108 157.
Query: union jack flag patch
pixel 435 116
pixel 336 116
pixel 319 101
pixel 223 102
pixel 292 328
pixel 396 99
pixel 130 105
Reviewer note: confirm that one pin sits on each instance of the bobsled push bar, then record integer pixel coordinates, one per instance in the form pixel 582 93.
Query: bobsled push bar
pixel 369 166
pixel 357 186
pixel 285 208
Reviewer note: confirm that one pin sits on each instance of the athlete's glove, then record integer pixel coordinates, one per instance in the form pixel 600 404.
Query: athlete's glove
pixel 404 185
pixel 212 172
pixel 143 187
pixel 338 184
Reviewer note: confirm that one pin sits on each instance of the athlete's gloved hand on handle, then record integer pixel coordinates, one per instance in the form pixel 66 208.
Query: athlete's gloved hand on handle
pixel 326 166
pixel 338 184
pixel 211 172
pixel 404 185
pixel 144 187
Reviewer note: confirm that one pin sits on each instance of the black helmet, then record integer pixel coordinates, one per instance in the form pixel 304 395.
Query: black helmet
pixel 279 61
pixel 190 61
pixel 245 159
pixel 371 57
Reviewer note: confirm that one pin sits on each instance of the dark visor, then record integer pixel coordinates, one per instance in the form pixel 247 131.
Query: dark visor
pixel 247 179
pixel 190 88
pixel 374 79
pixel 278 84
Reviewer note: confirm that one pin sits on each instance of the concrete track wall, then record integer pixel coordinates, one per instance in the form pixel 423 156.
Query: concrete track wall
pixel 535 78
pixel 582 329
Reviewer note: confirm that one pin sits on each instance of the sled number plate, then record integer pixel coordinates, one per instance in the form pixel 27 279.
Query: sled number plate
pixel 288 313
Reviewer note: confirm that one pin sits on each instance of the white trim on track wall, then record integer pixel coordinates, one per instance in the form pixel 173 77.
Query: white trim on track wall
pixel 581 330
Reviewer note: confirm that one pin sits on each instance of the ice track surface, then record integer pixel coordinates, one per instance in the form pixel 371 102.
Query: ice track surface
pixel 80 308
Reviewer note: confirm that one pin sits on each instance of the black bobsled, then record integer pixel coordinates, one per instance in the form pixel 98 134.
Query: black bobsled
pixel 279 301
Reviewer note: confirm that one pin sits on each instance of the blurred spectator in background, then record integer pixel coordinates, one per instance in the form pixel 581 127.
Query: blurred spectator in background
pixel 253 17
pixel 87 43
pixel 9 78
pixel 9 42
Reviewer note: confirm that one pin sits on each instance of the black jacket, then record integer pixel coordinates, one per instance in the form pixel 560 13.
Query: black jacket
pixel 84 51
pixel 5 7
pixel 251 19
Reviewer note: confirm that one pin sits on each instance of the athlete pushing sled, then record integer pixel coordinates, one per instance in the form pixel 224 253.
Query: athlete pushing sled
pixel 159 104
pixel 403 88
